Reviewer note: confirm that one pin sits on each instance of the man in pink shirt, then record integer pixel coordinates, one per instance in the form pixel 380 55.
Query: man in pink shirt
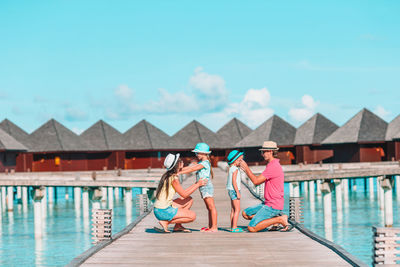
pixel 270 212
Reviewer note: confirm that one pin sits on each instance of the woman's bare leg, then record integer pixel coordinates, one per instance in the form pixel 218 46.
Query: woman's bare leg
pixel 182 203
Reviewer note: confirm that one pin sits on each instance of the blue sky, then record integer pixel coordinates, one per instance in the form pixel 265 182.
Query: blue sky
pixel 174 61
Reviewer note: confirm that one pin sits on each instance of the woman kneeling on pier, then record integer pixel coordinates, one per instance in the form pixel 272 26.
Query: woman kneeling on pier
pixel 177 211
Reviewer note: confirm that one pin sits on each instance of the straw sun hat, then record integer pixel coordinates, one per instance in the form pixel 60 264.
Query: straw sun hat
pixel 269 145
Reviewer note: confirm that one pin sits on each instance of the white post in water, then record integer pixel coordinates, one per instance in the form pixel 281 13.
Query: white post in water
pixel 326 189
pixel 338 193
pixel 312 196
pixel 77 199
pixel 25 198
pixel 318 187
pixel 19 193
pixel 96 198
pixel 110 197
pixel 305 188
pixel 37 208
pixel 50 193
pixel 44 202
pixel 116 193
pixel 345 182
pixel 10 198
pixel 386 185
pixel 66 193
pixel 128 204
pixel 381 194
pixel 296 189
pixel 85 202
pixel 398 187
pixel 371 187
pixel 290 190
pixel 104 194
pixel 3 197
pixel 354 184
pixel 378 185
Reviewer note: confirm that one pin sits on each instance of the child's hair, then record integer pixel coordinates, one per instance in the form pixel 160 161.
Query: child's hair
pixel 164 181
pixel 211 169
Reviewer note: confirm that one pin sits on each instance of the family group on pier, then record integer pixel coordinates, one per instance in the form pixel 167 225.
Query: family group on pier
pixel 262 216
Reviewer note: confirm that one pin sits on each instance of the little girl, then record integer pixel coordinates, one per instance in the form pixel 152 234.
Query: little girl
pixel 204 170
pixel 233 187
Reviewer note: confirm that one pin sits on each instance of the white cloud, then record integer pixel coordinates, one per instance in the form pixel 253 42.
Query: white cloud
pixel 306 111
pixel 381 112
pixel 123 92
pixel 76 130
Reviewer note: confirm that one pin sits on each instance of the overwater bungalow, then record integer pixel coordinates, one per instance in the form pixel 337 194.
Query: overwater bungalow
pixel 9 149
pixel 186 139
pixel 274 129
pixel 23 160
pixel 393 139
pixel 145 146
pixel 106 147
pixel 309 137
pixel 230 134
pixel 361 139
pixel 56 148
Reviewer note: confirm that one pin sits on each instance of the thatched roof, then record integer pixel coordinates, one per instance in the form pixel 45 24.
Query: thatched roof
pixel 16 132
pixel 274 129
pixel 365 126
pixel 194 133
pixel 232 132
pixel 393 129
pixel 53 136
pixel 103 137
pixel 314 130
pixel 145 136
pixel 7 142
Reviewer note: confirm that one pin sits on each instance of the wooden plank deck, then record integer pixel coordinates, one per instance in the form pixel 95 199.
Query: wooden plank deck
pixel 143 246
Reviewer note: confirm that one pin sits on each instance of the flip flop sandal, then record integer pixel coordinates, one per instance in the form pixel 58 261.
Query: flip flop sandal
pixel 237 230
pixel 275 228
pixel 161 230
pixel 287 228
pixel 204 229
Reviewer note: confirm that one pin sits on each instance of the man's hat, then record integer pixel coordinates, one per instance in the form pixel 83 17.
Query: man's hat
pixel 269 145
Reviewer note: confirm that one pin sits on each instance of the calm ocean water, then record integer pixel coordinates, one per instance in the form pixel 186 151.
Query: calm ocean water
pixel 66 234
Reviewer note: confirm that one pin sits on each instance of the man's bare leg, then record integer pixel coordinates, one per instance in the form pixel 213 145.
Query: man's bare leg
pixel 268 222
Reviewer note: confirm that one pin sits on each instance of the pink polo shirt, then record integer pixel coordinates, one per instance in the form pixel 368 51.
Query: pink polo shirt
pixel 273 191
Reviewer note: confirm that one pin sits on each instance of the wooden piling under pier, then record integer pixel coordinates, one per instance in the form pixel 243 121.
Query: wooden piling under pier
pixel 143 246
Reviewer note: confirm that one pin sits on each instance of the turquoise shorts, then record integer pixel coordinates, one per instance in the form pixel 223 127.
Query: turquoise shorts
pixel 232 194
pixel 165 214
pixel 261 212
pixel 207 190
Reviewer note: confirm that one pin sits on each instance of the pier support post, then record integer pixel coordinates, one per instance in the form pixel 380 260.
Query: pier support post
pixel 77 199
pixel 345 183
pixel 290 190
pixel 104 193
pixel 338 193
pixel 387 185
pixel 371 187
pixel 381 193
pixel 10 198
pixel 305 188
pixel 44 202
pixel 25 198
pixel 110 197
pixel 19 193
pixel 3 197
pixel 85 202
pixel 128 204
pixel 318 187
pixel 398 187
pixel 326 189
pixel 38 194
pixel 296 189
pixel 96 198
pixel 311 194
pixel 116 193
pixel 50 194
pixel 66 193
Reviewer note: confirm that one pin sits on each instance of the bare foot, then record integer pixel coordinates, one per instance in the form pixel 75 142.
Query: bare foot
pixel 211 230
pixel 164 225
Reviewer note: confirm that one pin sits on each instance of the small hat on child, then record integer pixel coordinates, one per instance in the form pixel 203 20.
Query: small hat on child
pixel 234 155
pixel 202 148
pixel 171 160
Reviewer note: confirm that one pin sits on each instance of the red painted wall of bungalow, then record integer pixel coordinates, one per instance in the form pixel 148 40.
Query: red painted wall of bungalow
pixel 371 152
pixel 24 162
pixel 286 155
pixel 105 160
pixel 313 154
pixel 393 150
pixel 144 159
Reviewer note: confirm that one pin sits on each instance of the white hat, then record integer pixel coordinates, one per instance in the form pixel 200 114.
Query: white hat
pixel 269 145
pixel 171 160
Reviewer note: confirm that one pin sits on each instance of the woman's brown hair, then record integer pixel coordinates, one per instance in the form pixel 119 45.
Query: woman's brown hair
pixel 164 181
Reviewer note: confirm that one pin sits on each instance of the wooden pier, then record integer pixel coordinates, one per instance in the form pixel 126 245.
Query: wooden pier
pixel 143 246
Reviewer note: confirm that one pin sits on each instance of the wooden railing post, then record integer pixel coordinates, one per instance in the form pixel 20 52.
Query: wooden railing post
pixel 102 225
pixel 386 246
